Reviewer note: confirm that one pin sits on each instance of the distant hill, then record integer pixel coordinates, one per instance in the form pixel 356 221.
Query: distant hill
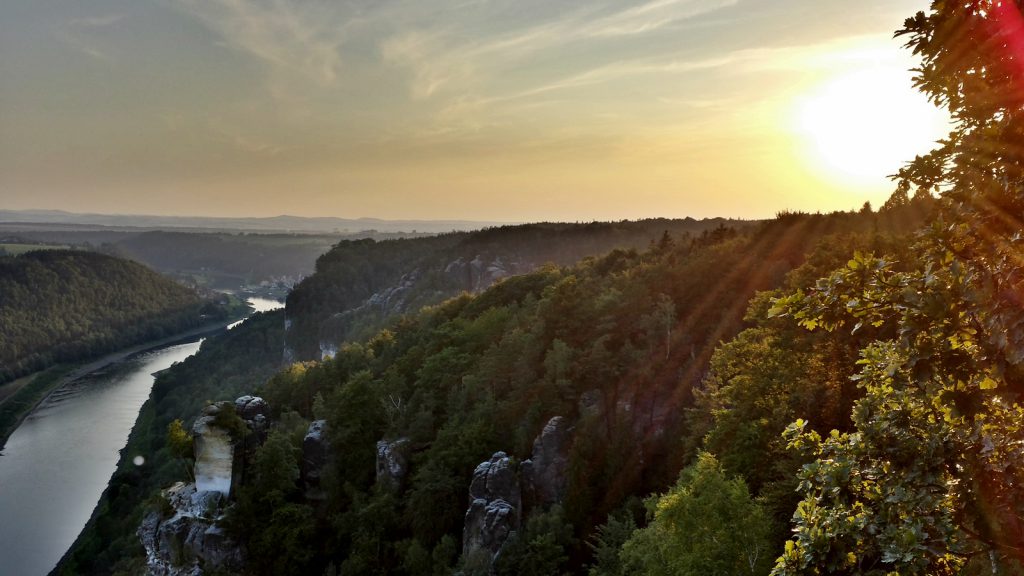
pixel 218 260
pixel 282 223
pixel 62 305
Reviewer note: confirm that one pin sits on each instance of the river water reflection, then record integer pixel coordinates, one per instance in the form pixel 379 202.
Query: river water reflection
pixel 56 465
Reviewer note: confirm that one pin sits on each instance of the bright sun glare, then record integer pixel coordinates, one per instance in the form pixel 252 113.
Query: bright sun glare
pixel 863 126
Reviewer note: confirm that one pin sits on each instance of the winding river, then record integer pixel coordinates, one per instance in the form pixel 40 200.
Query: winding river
pixel 57 463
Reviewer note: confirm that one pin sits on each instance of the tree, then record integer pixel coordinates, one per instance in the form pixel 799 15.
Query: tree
pixel 707 524
pixel 932 480
pixel 606 543
pixel 275 468
pixel 539 549
pixel 179 442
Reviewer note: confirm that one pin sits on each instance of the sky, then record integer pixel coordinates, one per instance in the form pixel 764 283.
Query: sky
pixel 499 110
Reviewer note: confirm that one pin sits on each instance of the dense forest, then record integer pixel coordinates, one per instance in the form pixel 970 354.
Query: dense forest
pixel 360 285
pixel 61 306
pixel 619 347
pixel 631 333
pixel 225 260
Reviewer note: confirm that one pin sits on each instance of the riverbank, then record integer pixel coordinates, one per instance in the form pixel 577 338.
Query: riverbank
pixel 60 459
pixel 34 389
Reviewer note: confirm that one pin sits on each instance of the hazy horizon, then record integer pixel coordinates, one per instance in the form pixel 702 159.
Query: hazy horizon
pixel 242 216
pixel 477 110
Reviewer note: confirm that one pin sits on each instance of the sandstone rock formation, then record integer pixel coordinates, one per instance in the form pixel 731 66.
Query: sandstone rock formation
pixel 252 408
pixel 545 474
pixel 314 458
pixel 480 273
pixel 214 451
pixel 384 303
pixel 392 462
pixel 185 540
pixel 494 512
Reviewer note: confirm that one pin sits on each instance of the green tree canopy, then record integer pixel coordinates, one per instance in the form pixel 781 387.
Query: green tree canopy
pixel 932 480
pixel 707 524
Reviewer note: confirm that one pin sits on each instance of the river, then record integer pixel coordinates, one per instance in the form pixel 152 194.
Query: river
pixel 58 462
pixel 259 305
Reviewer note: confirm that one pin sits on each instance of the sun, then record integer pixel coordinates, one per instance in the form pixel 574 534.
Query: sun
pixel 863 126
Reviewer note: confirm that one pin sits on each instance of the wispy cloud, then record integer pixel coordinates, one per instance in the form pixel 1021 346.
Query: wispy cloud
pixel 650 17
pixel 431 62
pixel 300 37
pixel 485 64
pixel 821 56
pixel 82 34
pixel 439 57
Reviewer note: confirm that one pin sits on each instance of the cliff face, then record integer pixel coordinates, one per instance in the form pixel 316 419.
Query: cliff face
pixel 314 457
pixel 495 510
pixel 359 285
pixel 214 452
pixel 185 538
pixel 545 474
pixel 502 492
pixel 392 463
pixel 426 284
pixel 188 541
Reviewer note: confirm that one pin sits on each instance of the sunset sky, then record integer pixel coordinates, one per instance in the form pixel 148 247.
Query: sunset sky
pixel 508 110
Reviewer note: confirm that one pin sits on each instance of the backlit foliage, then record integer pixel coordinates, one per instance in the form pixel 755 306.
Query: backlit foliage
pixel 932 479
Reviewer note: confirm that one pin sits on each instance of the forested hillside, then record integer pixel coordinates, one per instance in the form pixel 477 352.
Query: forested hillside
pixel 619 346
pixel 360 285
pixel 60 306
pixel 211 259
pixel 225 260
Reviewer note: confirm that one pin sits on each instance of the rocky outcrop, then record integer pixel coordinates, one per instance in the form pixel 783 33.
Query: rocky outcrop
pixel 545 473
pixel 255 413
pixel 184 539
pixel 392 300
pixel 288 355
pixel 328 349
pixel 410 292
pixel 389 301
pixel 392 463
pixel 314 458
pixel 647 415
pixel 252 408
pixel 494 510
pixel 480 273
pixel 214 451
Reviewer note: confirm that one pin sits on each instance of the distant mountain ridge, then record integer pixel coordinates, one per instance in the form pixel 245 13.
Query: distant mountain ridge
pixel 283 223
